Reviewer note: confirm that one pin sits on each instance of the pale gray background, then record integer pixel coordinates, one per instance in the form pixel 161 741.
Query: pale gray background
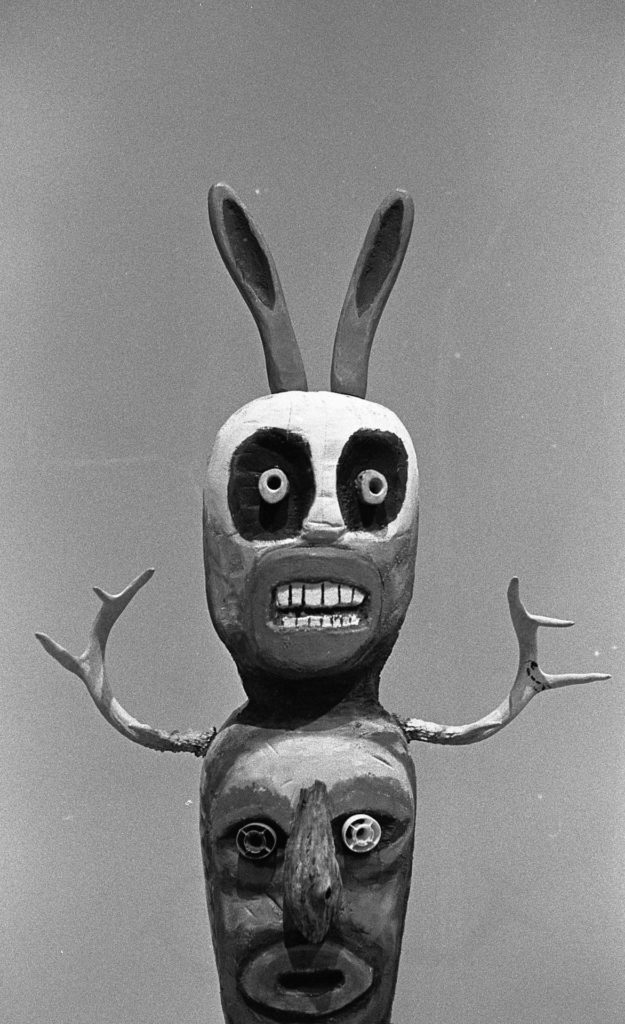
pixel 125 346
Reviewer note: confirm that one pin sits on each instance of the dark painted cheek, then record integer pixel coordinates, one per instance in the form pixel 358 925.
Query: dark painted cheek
pixel 242 882
pixel 233 917
pixel 259 877
pixel 242 924
pixel 375 870
pixel 372 918
pixel 397 568
pixel 377 911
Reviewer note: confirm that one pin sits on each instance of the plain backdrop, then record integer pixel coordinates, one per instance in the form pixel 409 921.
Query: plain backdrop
pixel 124 347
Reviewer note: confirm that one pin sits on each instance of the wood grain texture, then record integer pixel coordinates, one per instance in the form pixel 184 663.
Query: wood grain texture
pixel 312 880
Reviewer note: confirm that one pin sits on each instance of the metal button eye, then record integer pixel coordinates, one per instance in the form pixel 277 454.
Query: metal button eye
pixel 372 486
pixel 361 833
pixel 256 840
pixel 273 485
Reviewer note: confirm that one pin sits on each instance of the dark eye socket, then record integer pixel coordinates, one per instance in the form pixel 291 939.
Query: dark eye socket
pixel 371 479
pixel 271 485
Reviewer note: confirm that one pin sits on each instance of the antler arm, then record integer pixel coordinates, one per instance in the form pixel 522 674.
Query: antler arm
pixel 90 667
pixel 529 681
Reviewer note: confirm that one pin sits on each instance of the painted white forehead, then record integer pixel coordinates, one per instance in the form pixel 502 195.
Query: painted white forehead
pixel 322 417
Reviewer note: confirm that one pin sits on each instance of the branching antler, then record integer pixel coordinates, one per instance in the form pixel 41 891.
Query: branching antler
pixel 529 681
pixel 91 669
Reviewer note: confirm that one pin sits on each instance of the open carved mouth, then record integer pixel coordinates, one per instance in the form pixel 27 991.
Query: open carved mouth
pixel 325 604
pixel 305 982
pixel 311 982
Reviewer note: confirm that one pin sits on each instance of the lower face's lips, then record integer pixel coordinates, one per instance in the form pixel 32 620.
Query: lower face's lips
pixel 307 982
pixel 318 604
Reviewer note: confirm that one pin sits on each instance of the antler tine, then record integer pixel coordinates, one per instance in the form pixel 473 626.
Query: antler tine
pixel 530 680
pixel 91 668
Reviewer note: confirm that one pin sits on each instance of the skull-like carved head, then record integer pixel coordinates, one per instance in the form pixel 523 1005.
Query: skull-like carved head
pixel 310 505
pixel 310 532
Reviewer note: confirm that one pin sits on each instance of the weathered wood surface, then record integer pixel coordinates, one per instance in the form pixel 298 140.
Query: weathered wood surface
pixel 313 929
pixel 312 879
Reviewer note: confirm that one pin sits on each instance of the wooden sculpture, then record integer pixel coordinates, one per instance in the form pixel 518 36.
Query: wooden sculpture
pixel 310 534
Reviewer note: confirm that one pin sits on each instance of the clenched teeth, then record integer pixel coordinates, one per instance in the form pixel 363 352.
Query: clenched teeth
pixel 326 594
pixel 319 621
pixel 326 604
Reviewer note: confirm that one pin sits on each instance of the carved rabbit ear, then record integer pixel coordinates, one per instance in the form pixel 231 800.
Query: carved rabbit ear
pixel 374 275
pixel 252 269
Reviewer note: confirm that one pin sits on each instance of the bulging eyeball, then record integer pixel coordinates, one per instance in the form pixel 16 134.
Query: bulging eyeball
pixel 256 840
pixel 273 485
pixel 361 833
pixel 372 486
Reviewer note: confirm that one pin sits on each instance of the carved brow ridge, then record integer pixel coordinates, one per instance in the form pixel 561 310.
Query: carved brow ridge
pixel 362 793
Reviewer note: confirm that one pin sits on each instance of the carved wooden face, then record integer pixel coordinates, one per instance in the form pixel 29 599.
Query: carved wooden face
pixel 310 532
pixel 308 834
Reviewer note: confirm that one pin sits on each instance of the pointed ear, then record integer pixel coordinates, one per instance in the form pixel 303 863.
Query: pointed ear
pixel 252 269
pixel 374 275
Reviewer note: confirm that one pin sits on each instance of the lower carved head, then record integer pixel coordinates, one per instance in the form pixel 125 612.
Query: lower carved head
pixel 307 841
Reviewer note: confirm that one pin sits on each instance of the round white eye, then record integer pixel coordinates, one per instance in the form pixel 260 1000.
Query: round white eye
pixel 273 485
pixel 372 486
pixel 256 840
pixel 361 833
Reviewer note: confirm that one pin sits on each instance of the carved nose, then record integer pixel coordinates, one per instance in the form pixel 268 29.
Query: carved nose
pixel 322 533
pixel 312 879
pixel 324 523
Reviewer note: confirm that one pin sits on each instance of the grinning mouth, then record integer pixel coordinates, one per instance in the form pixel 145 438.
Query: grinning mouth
pixel 324 604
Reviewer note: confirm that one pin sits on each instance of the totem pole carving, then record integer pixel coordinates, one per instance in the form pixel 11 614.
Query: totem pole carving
pixel 308 792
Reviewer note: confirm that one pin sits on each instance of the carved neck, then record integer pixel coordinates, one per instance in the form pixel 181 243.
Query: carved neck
pixel 276 700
